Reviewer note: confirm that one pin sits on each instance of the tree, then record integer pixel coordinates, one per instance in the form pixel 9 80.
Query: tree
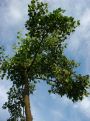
pixel 40 56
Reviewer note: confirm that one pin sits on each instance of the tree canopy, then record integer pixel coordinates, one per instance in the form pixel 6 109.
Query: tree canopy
pixel 40 56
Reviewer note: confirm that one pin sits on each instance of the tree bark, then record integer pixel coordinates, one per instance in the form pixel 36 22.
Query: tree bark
pixel 27 101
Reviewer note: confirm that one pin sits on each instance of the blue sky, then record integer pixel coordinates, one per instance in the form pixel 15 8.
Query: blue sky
pixel 45 107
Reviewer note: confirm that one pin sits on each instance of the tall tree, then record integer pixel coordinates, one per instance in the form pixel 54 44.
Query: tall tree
pixel 40 55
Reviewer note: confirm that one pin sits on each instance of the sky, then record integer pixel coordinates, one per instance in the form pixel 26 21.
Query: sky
pixel 46 107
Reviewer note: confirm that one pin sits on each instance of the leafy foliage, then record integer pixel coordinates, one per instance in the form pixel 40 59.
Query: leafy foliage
pixel 1 54
pixel 15 103
pixel 40 55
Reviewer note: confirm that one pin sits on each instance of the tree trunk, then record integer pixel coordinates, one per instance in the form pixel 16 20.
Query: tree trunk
pixel 27 101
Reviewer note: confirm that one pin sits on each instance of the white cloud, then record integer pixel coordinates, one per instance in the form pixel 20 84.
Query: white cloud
pixel 59 99
pixel 15 14
pixel 84 107
pixel 57 115
pixel 79 42
pixel 36 110
pixel 3 96
pixel 4 86
pixel 85 19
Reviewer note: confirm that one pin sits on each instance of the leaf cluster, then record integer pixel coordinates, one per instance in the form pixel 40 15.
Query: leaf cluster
pixel 15 103
pixel 40 56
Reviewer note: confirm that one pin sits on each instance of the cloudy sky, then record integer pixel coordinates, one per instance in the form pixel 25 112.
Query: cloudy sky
pixel 45 107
